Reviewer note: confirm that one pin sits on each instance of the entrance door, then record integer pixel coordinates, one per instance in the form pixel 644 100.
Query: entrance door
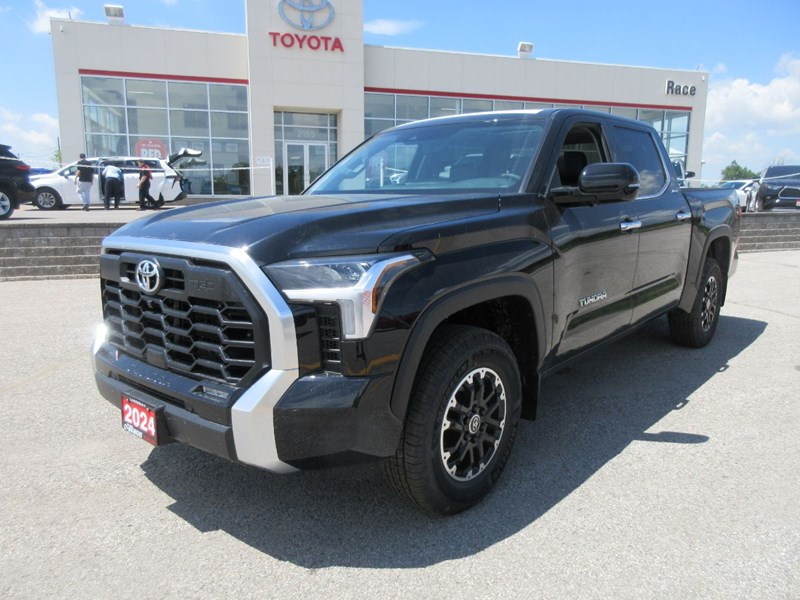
pixel 304 163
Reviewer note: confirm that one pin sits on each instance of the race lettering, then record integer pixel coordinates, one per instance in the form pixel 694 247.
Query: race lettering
pixel 303 41
pixel 676 89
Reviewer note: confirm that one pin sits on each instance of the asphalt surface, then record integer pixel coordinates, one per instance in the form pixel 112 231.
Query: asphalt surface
pixel 652 472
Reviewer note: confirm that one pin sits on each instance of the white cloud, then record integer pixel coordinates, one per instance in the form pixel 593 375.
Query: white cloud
pixel 34 137
pixel 390 27
pixel 754 124
pixel 41 23
pixel 721 68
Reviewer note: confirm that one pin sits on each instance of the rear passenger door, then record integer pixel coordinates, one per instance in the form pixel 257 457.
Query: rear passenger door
pixel 664 217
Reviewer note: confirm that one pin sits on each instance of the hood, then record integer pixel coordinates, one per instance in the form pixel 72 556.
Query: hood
pixel 278 228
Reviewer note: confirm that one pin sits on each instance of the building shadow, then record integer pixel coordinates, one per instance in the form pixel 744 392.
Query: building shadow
pixel 589 413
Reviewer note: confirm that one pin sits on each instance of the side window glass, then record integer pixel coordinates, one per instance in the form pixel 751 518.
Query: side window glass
pixel 582 146
pixel 639 149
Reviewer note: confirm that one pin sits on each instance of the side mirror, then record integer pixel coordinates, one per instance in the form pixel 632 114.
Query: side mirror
pixel 689 174
pixel 601 182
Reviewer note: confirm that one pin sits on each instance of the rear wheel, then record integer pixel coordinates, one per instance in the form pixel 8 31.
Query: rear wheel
pixel 6 205
pixel 47 199
pixel 461 422
pixel 696 328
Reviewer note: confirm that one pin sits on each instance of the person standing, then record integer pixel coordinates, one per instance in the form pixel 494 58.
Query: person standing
pixel 144 186
pixel 114 184
pixel 84 175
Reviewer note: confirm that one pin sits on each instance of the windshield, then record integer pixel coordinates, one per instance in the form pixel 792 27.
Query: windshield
pixel 792 171
pixel 491 155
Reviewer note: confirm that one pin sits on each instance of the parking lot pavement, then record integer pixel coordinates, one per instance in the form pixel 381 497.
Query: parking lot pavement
pixel 653 471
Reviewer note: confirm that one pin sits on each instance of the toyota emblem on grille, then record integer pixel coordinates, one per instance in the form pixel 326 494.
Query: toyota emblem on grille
pixel 148 276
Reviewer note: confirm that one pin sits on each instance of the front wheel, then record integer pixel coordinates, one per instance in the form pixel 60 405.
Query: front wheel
pixel 461 422
pixel 696 328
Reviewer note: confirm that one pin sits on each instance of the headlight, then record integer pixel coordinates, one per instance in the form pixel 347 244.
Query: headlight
pixel 357 284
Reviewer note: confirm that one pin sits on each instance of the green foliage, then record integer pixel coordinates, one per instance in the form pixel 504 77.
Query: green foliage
pixel 736 171
pixel 57 156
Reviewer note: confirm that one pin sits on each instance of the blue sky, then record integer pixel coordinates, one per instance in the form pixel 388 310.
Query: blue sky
pixel 751 50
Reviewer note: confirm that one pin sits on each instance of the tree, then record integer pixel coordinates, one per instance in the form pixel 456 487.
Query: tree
pixel 736 171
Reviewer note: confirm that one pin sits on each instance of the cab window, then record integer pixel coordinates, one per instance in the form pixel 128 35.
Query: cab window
pixel 638 148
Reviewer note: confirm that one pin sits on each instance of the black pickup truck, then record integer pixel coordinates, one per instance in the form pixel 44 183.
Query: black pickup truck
pixel 408 304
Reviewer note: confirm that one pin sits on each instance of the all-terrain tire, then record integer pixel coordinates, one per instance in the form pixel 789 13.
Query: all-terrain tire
pixel 696 328
pixel 461 421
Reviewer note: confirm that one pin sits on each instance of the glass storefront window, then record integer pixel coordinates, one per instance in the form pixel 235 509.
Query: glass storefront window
pixel 229 125
pixel 306 133
pixel 600 109
pixel 676 121
pixel 102 90
pixel 231 163
pixel 654 117
pixel 444 107
pixel 189 122
pixel 676 144
pixel 508 105
pixel 537 105
pixel 153 118
pixel 305 119
pixel 373 126
pixel 196 172
pixel 378 106
pixel 228 97
pixel 147 121
pixel 98 119
pixel 412 108
pixel 192 96
pixel 279 168
pixel 106 145
pixel 624 111
pixel 472 105
pixel 144 92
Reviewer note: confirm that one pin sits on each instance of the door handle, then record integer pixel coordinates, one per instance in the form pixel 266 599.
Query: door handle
pixel 630 225
pixel 683 215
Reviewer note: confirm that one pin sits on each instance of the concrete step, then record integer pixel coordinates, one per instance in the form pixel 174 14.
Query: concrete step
pixel 50 241
pixel 47 277
pixel 771 245
pixel 12 231
pixel 50 261
pixel 37 251
pixel 49 272
pixel 771 237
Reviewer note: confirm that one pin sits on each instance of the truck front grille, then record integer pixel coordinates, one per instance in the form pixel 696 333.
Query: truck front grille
pixel 201 322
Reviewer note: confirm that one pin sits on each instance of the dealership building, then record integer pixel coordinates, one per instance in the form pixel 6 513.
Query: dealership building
pixel 273 108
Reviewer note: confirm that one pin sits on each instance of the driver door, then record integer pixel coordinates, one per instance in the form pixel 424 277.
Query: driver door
pixel 596 246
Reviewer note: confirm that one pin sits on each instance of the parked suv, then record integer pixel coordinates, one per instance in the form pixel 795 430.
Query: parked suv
pixel 15 186
pixel 778 187
pixel 57 190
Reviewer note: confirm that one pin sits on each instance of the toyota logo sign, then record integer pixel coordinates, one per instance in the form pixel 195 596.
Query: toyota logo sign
pixel 306 14
pixel 148 276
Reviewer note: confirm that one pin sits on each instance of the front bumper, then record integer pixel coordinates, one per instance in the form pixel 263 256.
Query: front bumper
pixel 317 421
pixel 280 421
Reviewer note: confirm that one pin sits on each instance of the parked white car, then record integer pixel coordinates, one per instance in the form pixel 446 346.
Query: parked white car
pixel 742 187
pixel 57 190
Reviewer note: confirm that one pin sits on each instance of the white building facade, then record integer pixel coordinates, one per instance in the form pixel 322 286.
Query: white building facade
pixel 273 108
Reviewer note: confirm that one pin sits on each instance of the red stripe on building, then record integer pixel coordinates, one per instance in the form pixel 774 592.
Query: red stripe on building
pixel 523 99
pixel 132 75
